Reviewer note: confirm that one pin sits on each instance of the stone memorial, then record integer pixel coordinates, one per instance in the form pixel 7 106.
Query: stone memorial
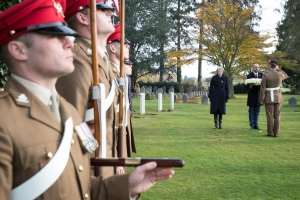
pixel 204 100
pixel 171 100
pixel 159 102
pixel 171 89
pixel 292 102
pixel 159 90
pixel 189 89
pixel 142 90
pixel 184 98
pixel 155 89
pixel 142 103
pixel 164 89
pixel 147 89
pixel 175 98
pixel 179 96
pixel 181 90
pixel 164 95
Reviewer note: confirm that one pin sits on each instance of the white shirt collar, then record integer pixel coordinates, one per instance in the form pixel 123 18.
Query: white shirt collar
pixel 40 92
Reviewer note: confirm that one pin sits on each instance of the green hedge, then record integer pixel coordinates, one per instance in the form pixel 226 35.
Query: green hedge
pixel 240 88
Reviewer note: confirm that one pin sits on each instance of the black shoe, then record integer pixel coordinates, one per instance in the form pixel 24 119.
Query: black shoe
pixel 275 135
pixel 269 135
pixel 251 128
pixel 256 127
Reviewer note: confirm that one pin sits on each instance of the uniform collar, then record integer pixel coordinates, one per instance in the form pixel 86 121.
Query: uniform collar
pixel 40 92
pixel 100 50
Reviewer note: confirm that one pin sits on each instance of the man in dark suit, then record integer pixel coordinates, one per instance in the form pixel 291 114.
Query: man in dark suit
pixel 253 98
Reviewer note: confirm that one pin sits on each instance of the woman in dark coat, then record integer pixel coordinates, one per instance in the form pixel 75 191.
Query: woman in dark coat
pixel 218 96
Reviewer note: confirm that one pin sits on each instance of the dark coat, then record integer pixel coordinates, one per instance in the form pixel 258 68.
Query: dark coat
pixel 218 94
pixel 253 93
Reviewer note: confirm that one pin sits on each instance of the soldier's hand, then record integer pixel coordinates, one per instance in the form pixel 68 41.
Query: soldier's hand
pixel 145 176
pixel 251 85
pixel 120 170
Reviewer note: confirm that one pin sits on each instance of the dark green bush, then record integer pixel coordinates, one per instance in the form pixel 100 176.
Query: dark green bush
pixel 240 88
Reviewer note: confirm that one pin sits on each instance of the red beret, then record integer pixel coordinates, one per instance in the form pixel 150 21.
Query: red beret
pixel 73 6
pixel 116 36
pixel 42 16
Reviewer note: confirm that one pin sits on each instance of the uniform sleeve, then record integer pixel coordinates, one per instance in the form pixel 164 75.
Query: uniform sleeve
pixel 76 87
pixel 262 89
pixel 112 188
pixel 6 155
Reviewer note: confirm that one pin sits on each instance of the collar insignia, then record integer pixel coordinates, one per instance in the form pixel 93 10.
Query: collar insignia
pixel 89 52
pixel 22 98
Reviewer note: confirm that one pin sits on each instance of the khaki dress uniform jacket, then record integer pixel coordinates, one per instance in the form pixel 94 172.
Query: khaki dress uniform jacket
pixel 76 88
pixel 128 144
pixel 28 132
pixel 272 79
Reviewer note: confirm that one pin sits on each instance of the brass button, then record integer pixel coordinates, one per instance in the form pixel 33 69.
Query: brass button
pixel 80 168
pixel 12 32
pixel 86 196
pixel 49 155
pixel 72 142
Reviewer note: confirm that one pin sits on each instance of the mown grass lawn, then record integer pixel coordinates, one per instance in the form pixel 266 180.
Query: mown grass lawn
pixel 232 163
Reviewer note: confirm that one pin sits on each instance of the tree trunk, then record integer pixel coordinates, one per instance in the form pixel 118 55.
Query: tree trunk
pixel 161 63
pixel 230 86
pixel 179 76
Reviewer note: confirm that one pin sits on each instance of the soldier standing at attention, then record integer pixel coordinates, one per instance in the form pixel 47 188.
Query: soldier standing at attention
pixel 253 98
pixel 271 96
pixel 114 48
pixel 76 88
pixel 41 156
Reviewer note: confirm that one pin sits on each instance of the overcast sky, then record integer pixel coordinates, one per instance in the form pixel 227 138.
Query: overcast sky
pixel 267 24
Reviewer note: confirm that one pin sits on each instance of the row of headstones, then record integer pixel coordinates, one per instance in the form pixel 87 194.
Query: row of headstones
pixel 190 96
pixel 163 89
pixel 159 102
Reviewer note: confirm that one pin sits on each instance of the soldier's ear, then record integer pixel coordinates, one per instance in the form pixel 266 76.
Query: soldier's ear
pixel 18 50
pixel 112 48
pixel 83 19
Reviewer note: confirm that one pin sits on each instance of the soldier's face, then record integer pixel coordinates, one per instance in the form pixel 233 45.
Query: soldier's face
pixel 117 50
pixel 128 69
pixel 104 22
pixel 50 56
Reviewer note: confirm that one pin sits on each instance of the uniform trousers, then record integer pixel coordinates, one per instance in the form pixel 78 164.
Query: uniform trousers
pixel 273 118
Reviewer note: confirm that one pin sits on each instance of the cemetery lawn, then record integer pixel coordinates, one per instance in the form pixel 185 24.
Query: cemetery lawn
pixel 232 163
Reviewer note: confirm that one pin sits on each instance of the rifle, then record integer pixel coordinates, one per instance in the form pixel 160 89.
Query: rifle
pixel 122 78
pixel 95 70
pixel 134 162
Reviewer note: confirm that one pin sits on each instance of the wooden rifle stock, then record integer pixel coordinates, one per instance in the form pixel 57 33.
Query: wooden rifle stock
pixel 134 162
pixel 121 95
pixel 95 70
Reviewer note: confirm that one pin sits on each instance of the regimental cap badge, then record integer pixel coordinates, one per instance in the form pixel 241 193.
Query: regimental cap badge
pixel 58 9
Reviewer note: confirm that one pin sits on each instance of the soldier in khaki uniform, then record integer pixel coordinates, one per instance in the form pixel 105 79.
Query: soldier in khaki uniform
pixel 113 47
pixel 76 88
pixel 271 96
pixel 33 142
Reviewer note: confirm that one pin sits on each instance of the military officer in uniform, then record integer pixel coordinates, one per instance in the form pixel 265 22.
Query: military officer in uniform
pixel 114 48
pixel 253 98
pixel 271 96
pixel 41 157
pixel 76 88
